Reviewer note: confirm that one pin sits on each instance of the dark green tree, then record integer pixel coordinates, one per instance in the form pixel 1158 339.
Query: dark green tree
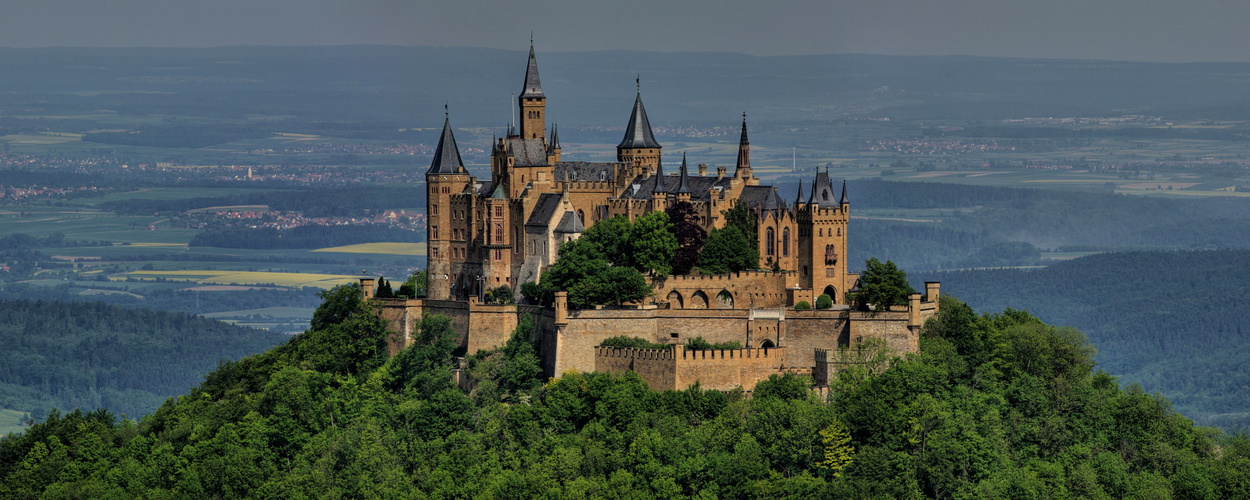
pixel 728 251
pixel 689 234
pixel 881 286
pixel 653 244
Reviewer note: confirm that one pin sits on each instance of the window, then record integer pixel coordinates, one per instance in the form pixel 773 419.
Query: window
pixel 434 232
pixel 771 243
pixel 434 210
pixel 498 234
pixel 498 211
pixel 785 242
pixel 498 254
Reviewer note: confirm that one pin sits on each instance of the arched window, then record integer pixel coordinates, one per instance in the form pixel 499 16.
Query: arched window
pixel 785 242
pixel 770 243
pixel 434 232
pixel 581 217
pixel 498 234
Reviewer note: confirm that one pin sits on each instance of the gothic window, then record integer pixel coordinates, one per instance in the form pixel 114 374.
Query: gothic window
pixel 581 217
pixel 822 231
pixel 831 255
pixel 498 254
pixel 785 242
pixel 498 211
pixel 434 210
pixel 498 234
pixel 434 231
pixel 771 242
pixel 839 231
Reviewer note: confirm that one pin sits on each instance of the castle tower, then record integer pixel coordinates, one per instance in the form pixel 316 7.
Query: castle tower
pixel 743 169
pixel 533 102
pixel 659 194
pixel 638 150
pixel 497 240
pixel 822 250
pixel 445 178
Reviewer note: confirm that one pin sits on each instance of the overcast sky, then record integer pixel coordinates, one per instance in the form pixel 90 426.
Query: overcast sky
pixel 1146 30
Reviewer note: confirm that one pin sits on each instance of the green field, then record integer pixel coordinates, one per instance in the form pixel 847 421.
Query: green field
pixel 10 421
pixel 228 277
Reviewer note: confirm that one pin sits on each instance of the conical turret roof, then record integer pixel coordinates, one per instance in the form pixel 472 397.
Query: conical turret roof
pixel 638 132
pixel 684 185
pixel 532 87
pixel 446 155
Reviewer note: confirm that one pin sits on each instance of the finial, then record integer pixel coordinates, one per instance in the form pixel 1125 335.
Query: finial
pixel 744 116
pixel 531 39
pixel 638 82
pixel 446 112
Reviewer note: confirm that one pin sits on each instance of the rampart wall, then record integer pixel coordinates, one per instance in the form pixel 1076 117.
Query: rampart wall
pixel 677 368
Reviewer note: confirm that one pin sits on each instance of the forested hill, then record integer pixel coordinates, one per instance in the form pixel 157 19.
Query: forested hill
pixel 995 406
pixel 1177 322
pixel 90 355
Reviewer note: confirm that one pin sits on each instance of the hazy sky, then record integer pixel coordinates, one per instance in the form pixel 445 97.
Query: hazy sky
pixel 1150 30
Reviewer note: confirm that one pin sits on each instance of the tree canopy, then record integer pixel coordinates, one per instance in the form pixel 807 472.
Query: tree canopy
pixel 881 286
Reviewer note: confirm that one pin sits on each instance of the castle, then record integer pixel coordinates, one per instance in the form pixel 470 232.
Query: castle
pixel 505 230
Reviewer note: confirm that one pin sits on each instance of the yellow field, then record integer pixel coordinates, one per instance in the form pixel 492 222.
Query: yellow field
pixel 414 249
pixel 243 278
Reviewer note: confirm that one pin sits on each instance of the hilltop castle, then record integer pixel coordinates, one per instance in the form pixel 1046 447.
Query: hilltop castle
pixel 505 230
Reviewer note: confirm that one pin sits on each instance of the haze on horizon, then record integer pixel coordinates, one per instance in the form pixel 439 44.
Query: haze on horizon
pixel 1138 30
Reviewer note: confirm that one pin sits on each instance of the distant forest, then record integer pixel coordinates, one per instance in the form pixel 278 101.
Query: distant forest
pixel 344 201
pixel 1176 322
pixel 92 355
pixel 302 237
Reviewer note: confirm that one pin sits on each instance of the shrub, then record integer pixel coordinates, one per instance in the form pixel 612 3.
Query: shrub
pixel 803 305
pixel 699 344
pixel 635 342
pixel 824 301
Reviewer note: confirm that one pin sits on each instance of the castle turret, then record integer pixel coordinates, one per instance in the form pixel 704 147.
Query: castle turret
pixel 533 102
pixel 683 184
pixel 638 148
pixel 743 169
pixel 553 146
pixel 445 178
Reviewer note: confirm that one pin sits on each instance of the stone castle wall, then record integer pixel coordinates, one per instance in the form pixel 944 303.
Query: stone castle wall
pixel 677 368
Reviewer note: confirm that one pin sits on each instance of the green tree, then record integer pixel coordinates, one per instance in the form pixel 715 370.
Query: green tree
pixel 415 286
pixel 653 244
pixel 728 251
pixel 838 452
pixel 881 286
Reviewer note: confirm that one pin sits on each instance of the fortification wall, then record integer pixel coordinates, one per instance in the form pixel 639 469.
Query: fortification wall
pixel 588 328
pixel 677 368
pixel 813 329
pixel 888 326
pixel 748 289
pixel 489 326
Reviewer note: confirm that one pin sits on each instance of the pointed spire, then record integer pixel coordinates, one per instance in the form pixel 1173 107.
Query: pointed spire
pixel 843 201
pixel 799 201
pixel 446 155
pixel 683 187
pixel 743 167
pixel 555 140
pixel 532 89
pixel 638 131
pixel 658 187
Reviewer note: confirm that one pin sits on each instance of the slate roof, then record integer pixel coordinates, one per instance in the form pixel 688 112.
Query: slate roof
pixel 584 170
pixel 640 188
pixel 532 87
pixel 762 197
pixel 446 155
pixel 570 223
pixel 683 184
pixel 822 191
pixel 638 131
pixel 528 152
pixel 544 209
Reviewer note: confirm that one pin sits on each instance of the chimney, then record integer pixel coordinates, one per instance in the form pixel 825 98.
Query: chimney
pixel 702 169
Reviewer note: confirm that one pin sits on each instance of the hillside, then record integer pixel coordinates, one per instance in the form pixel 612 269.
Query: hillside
pixel 1174 322
pixel 996 406
pixel 91 355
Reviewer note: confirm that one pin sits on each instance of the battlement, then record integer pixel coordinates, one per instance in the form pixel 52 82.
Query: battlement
pixel 677 368
pixel 700 279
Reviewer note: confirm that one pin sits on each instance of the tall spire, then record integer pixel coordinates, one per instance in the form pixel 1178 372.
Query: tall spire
pixel 555 140
pixel 638 132
pixel 658 187
pixel 843 201
pixel 446 155
pixel 799 201
pixel 743 168
pixel 683 187
pixel 532 87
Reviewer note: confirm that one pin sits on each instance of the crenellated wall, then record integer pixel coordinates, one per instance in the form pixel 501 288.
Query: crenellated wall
pixel 677 368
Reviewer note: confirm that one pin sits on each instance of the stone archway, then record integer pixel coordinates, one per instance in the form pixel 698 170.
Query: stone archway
pixel 698 300
pixel 767 344
pixel 674 300
pixel 832 293
pixel 724 300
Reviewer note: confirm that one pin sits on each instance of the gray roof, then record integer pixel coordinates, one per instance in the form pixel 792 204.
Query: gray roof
pixel 640 188
pixel 585 171
pixel 570 223
pixel 800 199
pixel 683 184
pixel 532 87
pixel 544 209
pixel 638 132
pixel 446 155
pixel 762 197
pixel 555 140
pixel 528 152
pixel 822 191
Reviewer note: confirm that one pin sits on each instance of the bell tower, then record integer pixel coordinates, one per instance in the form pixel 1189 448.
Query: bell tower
pixel 533 102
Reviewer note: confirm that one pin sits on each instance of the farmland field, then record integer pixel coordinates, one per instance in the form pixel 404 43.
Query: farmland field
pixel 413 249
pixel 225 277
pixel 9 421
